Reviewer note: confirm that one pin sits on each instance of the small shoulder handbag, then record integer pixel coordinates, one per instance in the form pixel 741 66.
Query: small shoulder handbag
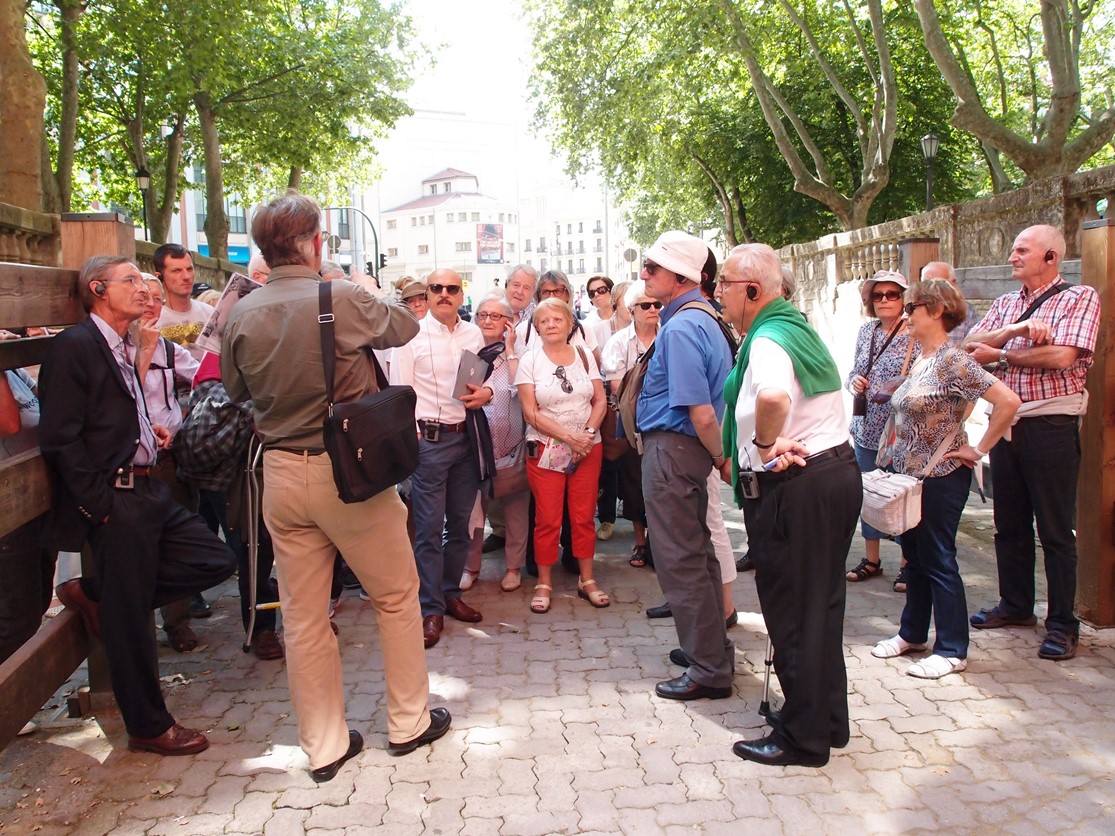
pixel 372 442
pixel 892 501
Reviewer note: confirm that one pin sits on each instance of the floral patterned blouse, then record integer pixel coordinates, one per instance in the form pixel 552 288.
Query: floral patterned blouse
pixel 930 404
pixel 866 429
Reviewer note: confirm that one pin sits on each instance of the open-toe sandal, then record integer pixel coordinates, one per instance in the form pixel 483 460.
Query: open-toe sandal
pixel 182 638
pixel 597 597
pixel 893 647
pixel 866 569
pixel 934 667
pixel 639 555
pixel 541 603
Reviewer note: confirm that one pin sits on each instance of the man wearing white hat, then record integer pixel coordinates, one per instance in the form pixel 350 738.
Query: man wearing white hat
pixel 678 413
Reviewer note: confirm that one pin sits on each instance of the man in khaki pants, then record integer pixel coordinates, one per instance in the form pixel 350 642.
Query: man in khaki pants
pixel 272 354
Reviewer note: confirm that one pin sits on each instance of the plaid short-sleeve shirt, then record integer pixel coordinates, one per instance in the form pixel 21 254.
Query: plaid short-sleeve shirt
pixel 1074 316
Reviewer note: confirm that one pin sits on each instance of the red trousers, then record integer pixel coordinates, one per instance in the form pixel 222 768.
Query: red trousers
pixel 552 490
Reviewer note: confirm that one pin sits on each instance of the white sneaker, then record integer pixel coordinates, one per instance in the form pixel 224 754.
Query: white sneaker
pixel 334 603
pixel 934 667
pixel 364 596
pixel 898 646
pixel 31 726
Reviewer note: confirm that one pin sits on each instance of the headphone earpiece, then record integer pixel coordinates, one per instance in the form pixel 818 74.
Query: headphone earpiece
pixel 752 292
pixel 99 288
pixel 1049 256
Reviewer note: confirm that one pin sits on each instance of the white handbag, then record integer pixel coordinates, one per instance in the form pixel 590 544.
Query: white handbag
pixel 892 501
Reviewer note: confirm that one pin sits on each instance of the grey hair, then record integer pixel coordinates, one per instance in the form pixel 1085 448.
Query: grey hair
pixel 789 282
pixel 635 290
pixel 553 276
pixel 501 300
pixel 332 267
pixel 523 268
pixel 760 263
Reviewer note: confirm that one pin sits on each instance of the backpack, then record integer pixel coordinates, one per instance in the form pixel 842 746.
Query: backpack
pixel 213 441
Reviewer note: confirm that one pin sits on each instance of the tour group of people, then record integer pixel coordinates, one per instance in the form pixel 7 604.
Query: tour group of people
pixel 685 379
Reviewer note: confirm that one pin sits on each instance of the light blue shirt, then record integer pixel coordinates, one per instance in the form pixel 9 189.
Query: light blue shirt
pixel 124 353
pixel 691 360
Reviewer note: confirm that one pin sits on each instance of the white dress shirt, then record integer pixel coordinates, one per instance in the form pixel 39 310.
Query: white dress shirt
pixel 429 364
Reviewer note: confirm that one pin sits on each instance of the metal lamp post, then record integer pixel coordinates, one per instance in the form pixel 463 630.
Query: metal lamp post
pixel 929 145
pixel 143 180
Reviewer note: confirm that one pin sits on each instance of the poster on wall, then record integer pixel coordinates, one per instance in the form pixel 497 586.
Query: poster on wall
pixel 489 243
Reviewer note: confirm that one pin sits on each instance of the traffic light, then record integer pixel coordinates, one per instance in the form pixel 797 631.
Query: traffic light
pixel 382 260
pixel 369 268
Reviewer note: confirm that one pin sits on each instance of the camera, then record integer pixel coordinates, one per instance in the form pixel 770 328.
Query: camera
pixel 534 449
pixel 431 432
pixel 749 484
pixel 859 404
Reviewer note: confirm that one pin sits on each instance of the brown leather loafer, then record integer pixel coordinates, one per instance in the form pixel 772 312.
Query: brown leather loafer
pixel 73 596
pixel 177 740
pixel 432 625
pixel 462 611
pixel 266 645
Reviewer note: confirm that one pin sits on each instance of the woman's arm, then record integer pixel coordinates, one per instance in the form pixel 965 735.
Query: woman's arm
pixel 1006 403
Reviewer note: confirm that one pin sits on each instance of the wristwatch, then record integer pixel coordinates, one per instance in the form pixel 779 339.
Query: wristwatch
pixel 591 431
pixel 508 355
pixel 1003 358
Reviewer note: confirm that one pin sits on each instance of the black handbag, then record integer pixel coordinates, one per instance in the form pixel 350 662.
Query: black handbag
pixel 372 442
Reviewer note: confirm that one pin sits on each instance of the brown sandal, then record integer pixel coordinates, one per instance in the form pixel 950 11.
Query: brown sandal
pixel 865 570
pixel 182 638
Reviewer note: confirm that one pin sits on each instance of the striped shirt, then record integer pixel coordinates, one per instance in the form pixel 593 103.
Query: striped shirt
pixel 1074 316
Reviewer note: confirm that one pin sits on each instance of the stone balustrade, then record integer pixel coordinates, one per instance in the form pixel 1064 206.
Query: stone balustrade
pixel 29 237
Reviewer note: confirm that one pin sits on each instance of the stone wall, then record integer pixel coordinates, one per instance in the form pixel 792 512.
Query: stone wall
pixel 28 237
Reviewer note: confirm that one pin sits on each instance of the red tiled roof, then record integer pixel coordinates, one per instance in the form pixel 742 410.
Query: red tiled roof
pixel 426 201
pixel 447 173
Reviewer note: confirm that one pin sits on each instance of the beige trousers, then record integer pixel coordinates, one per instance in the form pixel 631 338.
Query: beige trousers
pixel 309 523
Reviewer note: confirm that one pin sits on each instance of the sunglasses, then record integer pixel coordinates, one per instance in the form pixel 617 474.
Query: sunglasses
pixel 651 267
pixel 600 291
pixel 646 306
pixel 889 295
pixel 484 315
pixel 566 385
pixel 909 307
pixel 451 289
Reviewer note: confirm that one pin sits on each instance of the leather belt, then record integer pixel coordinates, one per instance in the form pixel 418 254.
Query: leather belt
pixel 445 428
pixel 839 451
pixel 831 453
pixel 125 477
pixel 298 451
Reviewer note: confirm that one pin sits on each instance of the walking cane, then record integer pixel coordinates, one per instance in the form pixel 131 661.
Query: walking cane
pixel 764 706
pixel 252 497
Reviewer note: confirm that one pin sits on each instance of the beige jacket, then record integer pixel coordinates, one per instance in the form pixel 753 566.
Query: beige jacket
pixel 271 352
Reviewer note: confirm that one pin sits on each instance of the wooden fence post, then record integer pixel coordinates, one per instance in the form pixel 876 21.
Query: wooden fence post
pixel 1095 539
pixel 915 253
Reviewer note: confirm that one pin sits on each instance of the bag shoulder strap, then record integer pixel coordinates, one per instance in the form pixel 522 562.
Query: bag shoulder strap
pixel 909 354
pixel 1037 303
pixel 584 359
pixel 890 338
pixel 939 453
pixel 329 344
pixel 702 305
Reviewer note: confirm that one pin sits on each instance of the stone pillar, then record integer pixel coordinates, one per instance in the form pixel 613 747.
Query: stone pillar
pixel 1095 506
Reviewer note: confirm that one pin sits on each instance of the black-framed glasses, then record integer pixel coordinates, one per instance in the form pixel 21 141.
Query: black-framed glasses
pixel 651 267
pixel 484 315
pixel 547 292
pixel 566 385
pixel 451 289
pixel 889 295
pixel 646 306
pixel 600 291
pixel 909 307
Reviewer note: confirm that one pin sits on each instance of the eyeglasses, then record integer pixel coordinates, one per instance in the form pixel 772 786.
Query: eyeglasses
pixel 646 306
pixel 134 281
pixel 651 267
pixel 600 291
pixel 566 386
pixel 909 307
pixel 547 292
pixel 451 289
pixel 484 315
pixel 889 295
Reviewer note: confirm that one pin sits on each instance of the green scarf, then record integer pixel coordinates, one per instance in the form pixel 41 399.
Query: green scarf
pixel 814 368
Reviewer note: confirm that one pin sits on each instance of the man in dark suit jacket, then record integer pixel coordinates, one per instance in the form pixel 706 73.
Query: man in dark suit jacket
pixel 148 550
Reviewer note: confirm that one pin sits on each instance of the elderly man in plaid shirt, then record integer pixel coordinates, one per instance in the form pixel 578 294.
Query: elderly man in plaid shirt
pixel 1044 357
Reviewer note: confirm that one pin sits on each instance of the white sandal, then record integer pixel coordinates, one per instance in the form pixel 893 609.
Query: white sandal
pixel 511 580
pixel 898 646
pixel 540 604
pixel 934 667
pixel 597 597
pixel 468 578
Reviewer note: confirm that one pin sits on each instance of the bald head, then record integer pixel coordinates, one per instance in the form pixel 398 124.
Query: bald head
pixel 445 293
pixel 258 270
pixel 939 270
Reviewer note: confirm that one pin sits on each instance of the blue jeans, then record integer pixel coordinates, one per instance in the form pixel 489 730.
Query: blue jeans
pixel 1034 476
pixel 443 491
pixel 865 458
pixel 933 583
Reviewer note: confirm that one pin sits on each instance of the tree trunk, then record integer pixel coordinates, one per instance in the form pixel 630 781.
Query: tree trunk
pixel 22 99
pixel 161 214
pixel 722 198
pixel 216 219
pixel 71 10
pixel 294 181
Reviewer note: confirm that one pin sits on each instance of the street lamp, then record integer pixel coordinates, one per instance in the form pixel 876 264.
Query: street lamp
pixel 929 145
pixel 143 180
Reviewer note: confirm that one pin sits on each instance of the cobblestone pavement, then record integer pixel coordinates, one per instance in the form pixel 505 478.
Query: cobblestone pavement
pixel 555 730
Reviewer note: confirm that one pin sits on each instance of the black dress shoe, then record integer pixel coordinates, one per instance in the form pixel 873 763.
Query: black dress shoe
pixel 684 688
pixel 199 607
pixel 768 751
pixel 731 621
pixel 661 611
pixel 439 725
pixel 329 771
pixel 493 543
pixel 745 564
pixel 678 657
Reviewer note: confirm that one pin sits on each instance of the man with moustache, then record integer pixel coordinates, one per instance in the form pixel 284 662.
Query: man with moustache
pixel 444 486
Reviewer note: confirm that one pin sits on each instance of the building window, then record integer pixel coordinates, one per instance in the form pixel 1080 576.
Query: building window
pixel 599 248
pixel 464 246
pixel 423 249
pixel 413 220
pixel 570 268
pixel 462 216
pixel 599 264
pixel 392 224
pixel 569 248
pixel 201 207
pixel 542 266
pixel 581 246
pixel 530 263
pixel 580 265
pixel 542 245
pixel 476 217
pixel 449 217
pixel 237 222
pixel 501 217
pixel 510 247
pixel 431 220
pixel 526 246
pixel 344 224
pixel 392 252
pixel 580 227
pixel 465 277
pixel 447 187
pixel 598 228
pixel 422 221
pixel 569 229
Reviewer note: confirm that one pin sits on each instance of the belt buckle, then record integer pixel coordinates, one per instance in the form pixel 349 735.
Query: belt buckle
pixel 125 479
